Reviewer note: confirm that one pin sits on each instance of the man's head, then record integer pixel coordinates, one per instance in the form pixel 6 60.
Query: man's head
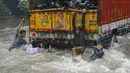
pixel 78 30
pixel 22 33
pixel 100 46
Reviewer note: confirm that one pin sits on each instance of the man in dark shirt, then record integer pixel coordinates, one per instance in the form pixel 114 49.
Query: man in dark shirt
pixel 19 39
pixel 79 42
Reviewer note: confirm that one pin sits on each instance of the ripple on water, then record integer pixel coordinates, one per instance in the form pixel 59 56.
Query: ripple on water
pixel 114 61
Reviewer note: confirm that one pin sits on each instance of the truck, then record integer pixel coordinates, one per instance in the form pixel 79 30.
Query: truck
pixel 52 21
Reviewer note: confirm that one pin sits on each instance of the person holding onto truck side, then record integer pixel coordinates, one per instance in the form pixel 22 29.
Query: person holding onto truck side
pixel 98 52
pixel 79 38
pixel 19 40
pixel 79 43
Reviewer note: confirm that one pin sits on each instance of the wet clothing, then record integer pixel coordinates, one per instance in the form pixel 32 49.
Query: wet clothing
pixel 79 40
pixel 18 42
pixel 97 54
pixel 79 44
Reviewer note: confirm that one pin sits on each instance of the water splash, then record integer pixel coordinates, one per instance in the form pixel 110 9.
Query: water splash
pixel 115 60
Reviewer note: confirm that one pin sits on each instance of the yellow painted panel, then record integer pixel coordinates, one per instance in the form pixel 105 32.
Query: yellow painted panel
pixel 87 21
pixel 70 21
pixel 60 21
pixel 78 20
pixel 67 26
pixel 32 21
pixel 43 21
pixel 37 21
pixel 91 22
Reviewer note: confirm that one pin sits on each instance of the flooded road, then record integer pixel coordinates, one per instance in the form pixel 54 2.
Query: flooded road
pixel 115 60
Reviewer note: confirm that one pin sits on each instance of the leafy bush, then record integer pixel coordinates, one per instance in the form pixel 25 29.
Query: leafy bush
pixel 3 8
pixel 23 5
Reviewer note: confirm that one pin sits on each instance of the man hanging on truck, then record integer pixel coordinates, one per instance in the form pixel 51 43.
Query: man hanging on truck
pixel 79 39
pixel 19 39
pixel 79 43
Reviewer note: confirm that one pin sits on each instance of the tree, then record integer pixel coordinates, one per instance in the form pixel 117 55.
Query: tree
pixel 3 8
pixel 23 5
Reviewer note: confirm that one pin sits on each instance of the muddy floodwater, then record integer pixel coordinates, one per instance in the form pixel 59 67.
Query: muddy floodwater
pixel 115 60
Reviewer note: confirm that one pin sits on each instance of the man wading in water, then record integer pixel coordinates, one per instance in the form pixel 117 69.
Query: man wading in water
pixel 79 43
pixel 79 37
pixel 19 40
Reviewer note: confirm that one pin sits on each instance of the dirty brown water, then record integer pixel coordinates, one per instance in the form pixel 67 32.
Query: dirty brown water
pixel 115 60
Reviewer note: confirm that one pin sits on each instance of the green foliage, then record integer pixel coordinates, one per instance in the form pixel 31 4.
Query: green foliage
pixel 3 8
pixel 23 5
